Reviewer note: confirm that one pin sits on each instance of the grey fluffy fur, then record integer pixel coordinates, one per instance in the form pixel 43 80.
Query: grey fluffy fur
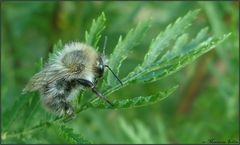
pixel 57 83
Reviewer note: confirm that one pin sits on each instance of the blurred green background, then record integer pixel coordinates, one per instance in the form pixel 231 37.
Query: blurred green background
pixel 204 107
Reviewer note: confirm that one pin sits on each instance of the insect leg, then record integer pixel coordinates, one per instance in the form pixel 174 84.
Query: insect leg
pixel 89 84
pixel 101 96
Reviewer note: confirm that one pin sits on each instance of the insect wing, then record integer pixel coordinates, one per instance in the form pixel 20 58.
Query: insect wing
pixel 47 75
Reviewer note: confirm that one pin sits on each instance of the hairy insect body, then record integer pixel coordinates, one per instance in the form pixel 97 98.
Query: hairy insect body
pixel 76 66
pixel 56 96
pixel 79 60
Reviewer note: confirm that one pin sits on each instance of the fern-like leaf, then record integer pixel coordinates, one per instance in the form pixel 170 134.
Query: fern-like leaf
pixel 164 38
pixel 56 47
pixel 69 135
pixel 123 48
pixel 136 101
pixel 149 72
pixel 93 36
pixel 163 69
pixel 201 36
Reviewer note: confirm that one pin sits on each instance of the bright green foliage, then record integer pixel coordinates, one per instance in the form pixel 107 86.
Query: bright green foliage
pixel 15 112
pixel 138 132
pixel 164 38
pixel 25 121
pixel 93 36
pixel 56 47
pixel 136 101
pixel 69 135
pixel 173 60
pixel 173 64
pixel 124 47
pixel 157 46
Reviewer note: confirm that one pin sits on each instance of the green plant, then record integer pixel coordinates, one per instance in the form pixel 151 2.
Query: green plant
pixel 159 62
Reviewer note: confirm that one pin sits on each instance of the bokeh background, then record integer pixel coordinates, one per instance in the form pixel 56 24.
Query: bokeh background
pixel 205 106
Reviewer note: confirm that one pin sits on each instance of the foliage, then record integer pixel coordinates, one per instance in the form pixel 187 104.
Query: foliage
pixel 171 50
pixel 123 48
pixel 136 101
pixel 70 136
pixel 93 36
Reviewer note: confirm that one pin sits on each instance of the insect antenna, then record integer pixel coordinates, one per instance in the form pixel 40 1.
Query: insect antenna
pixel 104 47
pixel 114 74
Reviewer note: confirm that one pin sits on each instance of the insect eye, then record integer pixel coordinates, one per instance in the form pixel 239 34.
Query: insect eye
pixel 100 67
pixel 100 70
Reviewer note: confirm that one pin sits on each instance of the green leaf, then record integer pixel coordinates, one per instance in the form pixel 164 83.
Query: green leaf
pixel 201 36
pixel 137 132
pixel 56 47
pixel 159 69
pixel 68 134
pixel 166 68
pixel 136 101
pixel 164 39
pixel 93 36
pixel 30 110
pixel 123 48
pixel 12 114
pixel 179 44
pixel 177 48
pixel 129 130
